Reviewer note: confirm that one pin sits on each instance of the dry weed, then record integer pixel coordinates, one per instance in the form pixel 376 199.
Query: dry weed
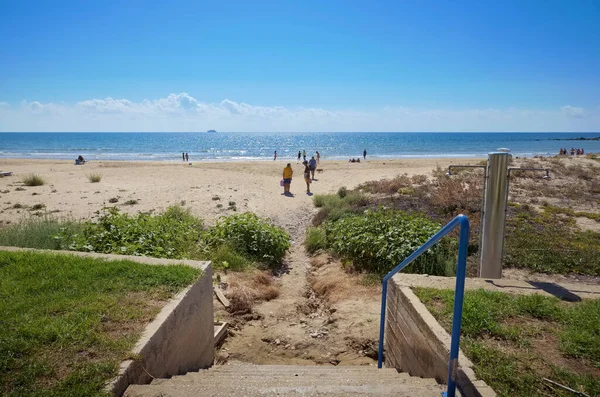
pixel 246 289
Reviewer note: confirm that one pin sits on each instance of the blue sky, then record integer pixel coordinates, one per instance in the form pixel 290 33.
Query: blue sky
pixel 362 57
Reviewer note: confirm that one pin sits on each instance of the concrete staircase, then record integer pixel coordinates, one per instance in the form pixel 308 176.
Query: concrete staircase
pixel 241 380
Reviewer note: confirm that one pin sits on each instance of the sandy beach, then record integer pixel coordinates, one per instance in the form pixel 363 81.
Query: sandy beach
pixel 201 187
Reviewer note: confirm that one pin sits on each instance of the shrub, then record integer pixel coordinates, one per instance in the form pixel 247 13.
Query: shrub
pixel 315 239
pixel 342 192
pixel 94 178
pixel 171 234
pixel 377 241
pixel 33 180
pixel 37 207
pixel 131 202
pixel 251 235
pixel 113 200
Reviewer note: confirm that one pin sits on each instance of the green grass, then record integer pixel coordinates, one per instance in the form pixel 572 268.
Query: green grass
pixel 225 257
pixel 513 340
pixel 315 239
pixel 334 206
pixel 33 180
pixel 36 232
pixel 67 321
pixel 549 242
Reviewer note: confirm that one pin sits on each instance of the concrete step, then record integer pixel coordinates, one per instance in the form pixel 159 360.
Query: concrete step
pixel 239 379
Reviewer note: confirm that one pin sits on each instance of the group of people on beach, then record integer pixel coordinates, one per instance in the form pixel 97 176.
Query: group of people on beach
pixel 310 167
pixel 185 157
pixel 574 152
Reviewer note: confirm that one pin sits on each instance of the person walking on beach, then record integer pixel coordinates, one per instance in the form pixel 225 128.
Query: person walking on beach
pixel 365 154
pixel 318 157
pixel 187 157
pixel 312 164
pixel 182 156
pixel 299 154
pixel 275 155
pixel 287 178
pixel 307 176
pixel 304 155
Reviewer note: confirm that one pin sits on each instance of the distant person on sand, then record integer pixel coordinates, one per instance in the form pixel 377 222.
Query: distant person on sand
pixel 307 176
pixel 275 155
pixel 365 154
pixel 182 156
pixel 304 155
pixel 299 154
pixel 287 178
pixel 312 164
pixel 318 157
pixel 187 157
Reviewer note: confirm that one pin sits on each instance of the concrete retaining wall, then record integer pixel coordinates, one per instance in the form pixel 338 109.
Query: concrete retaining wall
pixel 417 344
pixel 181 337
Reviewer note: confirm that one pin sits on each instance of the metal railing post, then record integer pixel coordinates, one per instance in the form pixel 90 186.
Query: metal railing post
pixel 459 294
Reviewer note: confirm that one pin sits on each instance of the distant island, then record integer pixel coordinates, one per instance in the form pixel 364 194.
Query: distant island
pixel 211 131
pixel 577 139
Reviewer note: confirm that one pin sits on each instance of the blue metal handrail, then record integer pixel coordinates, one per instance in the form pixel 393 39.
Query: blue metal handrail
pixel 461 269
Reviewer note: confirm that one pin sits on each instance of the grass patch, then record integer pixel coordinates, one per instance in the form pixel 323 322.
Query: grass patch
pixel 94 177
pixel 335 206
pixel 33 180
pixel 67 322
pixel 36 232
pixel 226 258
pixel 515 341
pixel 315 240
pixel 549 242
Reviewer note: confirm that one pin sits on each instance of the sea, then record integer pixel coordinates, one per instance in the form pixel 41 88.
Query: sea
pixel 206 146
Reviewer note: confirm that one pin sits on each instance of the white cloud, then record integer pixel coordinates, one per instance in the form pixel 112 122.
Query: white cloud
pixel 573 111
pixel 183 112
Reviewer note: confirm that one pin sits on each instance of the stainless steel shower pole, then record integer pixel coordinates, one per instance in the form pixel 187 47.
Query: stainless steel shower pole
pixel 496 197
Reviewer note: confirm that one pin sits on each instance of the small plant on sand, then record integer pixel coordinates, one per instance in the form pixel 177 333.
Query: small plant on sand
pixel 33 180
pixel 37 207
pixel 252 236
pixel 131 202
pixel 94 177
pixel 216 198
pixel 18 206
pixel 19 189
pixel 113 200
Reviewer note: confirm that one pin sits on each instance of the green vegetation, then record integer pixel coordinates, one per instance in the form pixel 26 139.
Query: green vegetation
pixel 67 322
pixel 335 206
pixel 33 180
pixel 131 202
pixel 94 177
pixel 225 257
pixel 171 234
pixel 236 242
pixel 549 242
pixel 315 240
pixel 515 341
pixel 377 240
pixel 37 207
pixel 250 235
pixel 569 212
pixel 35 232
